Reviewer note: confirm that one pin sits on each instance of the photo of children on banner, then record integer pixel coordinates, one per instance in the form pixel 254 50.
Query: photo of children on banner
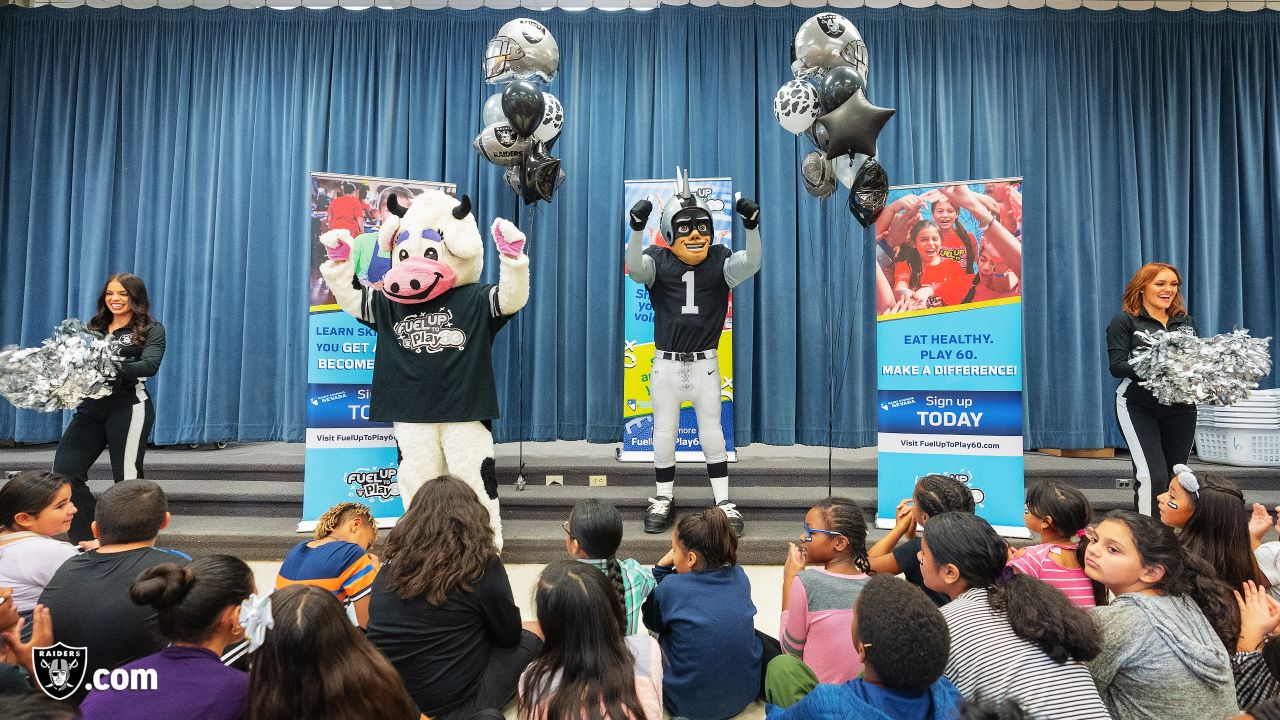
pixel 948 247
pixel 361 208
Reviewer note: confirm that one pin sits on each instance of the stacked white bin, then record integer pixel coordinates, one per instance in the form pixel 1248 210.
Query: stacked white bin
pixel 1247 433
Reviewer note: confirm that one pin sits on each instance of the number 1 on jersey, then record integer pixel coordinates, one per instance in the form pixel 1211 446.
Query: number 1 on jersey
pixel 688 308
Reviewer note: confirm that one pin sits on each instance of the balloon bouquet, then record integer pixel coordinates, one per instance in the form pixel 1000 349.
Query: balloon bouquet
pixel 827 102
pixel 522 121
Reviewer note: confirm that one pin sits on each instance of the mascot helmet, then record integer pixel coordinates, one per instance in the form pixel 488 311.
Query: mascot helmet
pixel 686 210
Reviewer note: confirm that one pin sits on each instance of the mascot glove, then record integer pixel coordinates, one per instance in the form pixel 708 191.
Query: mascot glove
pixel 507 237
pixel 750 213
pixel 639 215
pixel 337 245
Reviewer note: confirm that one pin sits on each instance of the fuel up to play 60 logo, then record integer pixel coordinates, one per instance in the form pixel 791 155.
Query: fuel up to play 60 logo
pixel 60 671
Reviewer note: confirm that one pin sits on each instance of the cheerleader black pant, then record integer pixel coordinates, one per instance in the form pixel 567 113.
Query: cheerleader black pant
pixel 1159 437
pixel 123 431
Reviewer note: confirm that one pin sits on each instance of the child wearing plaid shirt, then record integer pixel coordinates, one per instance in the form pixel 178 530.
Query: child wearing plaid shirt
pixel 592 535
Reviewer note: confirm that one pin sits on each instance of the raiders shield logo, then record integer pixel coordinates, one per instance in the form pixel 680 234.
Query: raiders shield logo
pixel 830 24
pixel 60 669
pixel 506 135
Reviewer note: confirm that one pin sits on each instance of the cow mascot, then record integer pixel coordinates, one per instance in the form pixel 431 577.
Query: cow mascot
pixel 435 324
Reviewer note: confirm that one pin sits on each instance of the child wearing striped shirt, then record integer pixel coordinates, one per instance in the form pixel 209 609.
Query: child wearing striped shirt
pixel 1012 637
pixel 338 559
pixel 1058 514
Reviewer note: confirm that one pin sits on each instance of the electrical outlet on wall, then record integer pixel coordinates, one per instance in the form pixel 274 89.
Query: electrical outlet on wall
pixel 598 480
pixel 1123 483
pixel 555 480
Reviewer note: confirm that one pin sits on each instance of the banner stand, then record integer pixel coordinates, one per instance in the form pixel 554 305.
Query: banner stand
pixel 949 345
pixel 637 346
pixel 348 457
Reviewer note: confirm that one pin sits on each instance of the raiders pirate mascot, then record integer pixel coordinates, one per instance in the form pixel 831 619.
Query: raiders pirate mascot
pixel 689 285
pixel 433 371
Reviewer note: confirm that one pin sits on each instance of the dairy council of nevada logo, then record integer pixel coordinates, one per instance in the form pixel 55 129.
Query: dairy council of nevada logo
pixel 59 669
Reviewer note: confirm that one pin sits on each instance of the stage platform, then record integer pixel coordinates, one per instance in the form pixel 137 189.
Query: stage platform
pixel 247 499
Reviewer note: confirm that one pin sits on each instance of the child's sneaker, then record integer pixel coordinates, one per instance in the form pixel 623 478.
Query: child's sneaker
pixel 735 517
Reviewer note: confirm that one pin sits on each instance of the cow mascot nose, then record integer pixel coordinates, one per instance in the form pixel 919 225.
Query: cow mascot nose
pixel 435 325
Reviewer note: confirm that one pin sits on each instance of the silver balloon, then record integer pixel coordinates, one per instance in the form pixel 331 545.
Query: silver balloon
pixel 552 119
pixel 523 49
pixel 816 172
pixel 499 144
pixel 846 168
pixel 512 176
pixel 829 40
pixel 795 106
pixel 492 112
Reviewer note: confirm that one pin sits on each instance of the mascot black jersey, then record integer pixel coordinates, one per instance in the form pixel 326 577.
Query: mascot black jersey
pixel 434 359
pixel 689 301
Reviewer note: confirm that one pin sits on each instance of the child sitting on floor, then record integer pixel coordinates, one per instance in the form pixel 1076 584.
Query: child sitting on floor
pixel 902 643
pixel 820 585
pixel 338 558
pixel 704 618
pixel 1058 514
pixel 592 536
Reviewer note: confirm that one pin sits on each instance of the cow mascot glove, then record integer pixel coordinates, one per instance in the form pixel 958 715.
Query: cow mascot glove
pixel 435 325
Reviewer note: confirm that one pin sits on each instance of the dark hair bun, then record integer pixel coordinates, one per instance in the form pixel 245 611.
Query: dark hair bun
pixel 162 586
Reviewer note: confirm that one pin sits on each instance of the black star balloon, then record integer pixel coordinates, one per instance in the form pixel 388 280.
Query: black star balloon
pixel 854 126
pixel 870 190
pixel 541 175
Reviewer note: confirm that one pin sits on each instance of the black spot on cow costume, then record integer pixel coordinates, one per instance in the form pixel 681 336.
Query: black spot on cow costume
pixel 435 324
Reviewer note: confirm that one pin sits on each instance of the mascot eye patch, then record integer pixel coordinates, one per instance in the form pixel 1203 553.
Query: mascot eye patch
pixel 429 234
pixel 404 235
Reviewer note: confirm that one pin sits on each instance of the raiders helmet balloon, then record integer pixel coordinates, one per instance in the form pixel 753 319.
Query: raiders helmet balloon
pixel 828 40
pixel 523 49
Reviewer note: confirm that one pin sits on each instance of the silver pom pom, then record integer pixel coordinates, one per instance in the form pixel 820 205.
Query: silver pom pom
pixel 73 365
pixel 1178 367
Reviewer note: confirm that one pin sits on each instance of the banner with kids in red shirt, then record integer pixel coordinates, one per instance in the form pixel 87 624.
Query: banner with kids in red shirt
pixel 949 344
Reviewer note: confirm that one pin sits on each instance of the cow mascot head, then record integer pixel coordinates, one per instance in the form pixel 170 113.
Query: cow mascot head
pixel 434 246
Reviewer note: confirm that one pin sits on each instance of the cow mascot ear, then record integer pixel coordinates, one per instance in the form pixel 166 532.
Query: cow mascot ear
pixel 387 232
pixel 463 236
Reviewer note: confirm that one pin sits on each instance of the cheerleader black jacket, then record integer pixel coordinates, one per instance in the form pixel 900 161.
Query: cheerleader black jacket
pixel 137 362
pixel 1123 342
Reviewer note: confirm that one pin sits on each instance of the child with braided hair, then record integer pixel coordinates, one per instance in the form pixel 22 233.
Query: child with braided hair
pixel 821 581
pixel 593 533
pixel 933 496
pixel 338 558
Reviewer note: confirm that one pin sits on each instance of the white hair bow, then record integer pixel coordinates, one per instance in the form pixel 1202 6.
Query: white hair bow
pixel 255 616
pixel 1187 479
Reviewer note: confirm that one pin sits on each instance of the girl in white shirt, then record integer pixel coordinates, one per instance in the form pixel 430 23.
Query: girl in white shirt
pixel 34 507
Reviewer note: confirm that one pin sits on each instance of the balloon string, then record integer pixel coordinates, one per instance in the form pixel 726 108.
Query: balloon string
pixel 533 221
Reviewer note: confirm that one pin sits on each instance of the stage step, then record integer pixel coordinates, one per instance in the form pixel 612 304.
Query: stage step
pixel 526 541
pixel 247 499
pixel 257 499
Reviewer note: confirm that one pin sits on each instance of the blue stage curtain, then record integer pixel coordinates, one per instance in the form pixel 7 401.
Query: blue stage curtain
pixel 176 144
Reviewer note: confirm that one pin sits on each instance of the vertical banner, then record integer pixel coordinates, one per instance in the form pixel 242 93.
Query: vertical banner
pixel 637 348
pixel 348 458
pixel 949 344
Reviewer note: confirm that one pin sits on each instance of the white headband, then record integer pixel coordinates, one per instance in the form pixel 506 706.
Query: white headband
pixel 1187 479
